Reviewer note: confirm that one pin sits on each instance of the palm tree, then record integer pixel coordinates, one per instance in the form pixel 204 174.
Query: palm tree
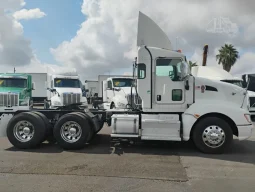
pixel 227 56
pixel 192 64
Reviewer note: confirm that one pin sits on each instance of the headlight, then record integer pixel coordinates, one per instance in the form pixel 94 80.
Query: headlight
pixel 248 118
pixel 121 105
pixel 24 103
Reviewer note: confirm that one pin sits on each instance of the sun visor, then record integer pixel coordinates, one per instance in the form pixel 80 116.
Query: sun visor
pixel 150 34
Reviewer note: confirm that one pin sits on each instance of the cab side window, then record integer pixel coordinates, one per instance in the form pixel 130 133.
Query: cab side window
pixel 167 67
pixel 109 85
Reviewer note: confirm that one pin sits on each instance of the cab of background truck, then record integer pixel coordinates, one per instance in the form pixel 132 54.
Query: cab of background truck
pixel 165 83
pixel 16 84
pixel 65 89
pixel 117 91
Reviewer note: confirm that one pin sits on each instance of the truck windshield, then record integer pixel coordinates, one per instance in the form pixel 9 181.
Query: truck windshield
pixel 70 83
pixel 122 82
pixel 234 82
pixel 12 82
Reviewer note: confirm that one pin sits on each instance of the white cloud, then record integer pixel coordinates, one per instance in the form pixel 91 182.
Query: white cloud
pixel 107 38
pixel 28 14
pixel 11 5
pixel 15 49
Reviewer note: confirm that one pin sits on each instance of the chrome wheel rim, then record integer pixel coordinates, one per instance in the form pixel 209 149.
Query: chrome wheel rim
pixel 214 136
pixel 71 131
pixel 23 131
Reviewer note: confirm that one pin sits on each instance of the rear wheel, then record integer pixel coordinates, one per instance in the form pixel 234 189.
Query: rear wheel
pixel 72 131
pixel 49 135
pixel 212 135
pixel 26 130
pixel 89 120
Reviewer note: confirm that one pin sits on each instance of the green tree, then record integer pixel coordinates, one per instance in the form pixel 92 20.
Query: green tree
pixel 191 64
pixel 227 56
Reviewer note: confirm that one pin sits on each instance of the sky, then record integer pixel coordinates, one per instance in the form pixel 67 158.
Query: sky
pixel 99 36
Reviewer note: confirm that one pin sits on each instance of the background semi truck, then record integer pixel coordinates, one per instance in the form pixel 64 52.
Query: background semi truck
pixel 39 95
pixel 64 88
pixel 16 91
pixel 91 89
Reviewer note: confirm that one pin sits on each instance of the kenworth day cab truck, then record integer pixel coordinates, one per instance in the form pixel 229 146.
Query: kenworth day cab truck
pixel 176 106
pixel 64 88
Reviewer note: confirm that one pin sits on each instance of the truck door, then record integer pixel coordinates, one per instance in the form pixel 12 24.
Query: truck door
pixel 169 88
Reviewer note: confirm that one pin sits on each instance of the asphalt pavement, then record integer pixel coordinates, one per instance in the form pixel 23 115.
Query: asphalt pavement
pixel 110 165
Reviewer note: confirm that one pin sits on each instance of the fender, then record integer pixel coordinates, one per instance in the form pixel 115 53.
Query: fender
pixel 201 108
pixel 119 99
pixel 55 100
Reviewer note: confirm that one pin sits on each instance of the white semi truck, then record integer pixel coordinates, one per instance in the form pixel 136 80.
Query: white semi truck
pixel 64 88
pixel 119 92
pixel 39 95
pixel 91 89
pixel 176 106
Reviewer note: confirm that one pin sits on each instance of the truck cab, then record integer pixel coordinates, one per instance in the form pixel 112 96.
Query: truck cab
pixel 16 91
pixel 176 106
pixel 64 90
pixel 117 92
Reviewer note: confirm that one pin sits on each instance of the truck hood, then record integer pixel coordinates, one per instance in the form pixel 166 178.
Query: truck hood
pixel 218 90
pixel 11 89
pixel 127 90
pixel 21 91
pixel 61 90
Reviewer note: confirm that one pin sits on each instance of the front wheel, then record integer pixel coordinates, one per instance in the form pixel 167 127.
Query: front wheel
pixel 212 135
pixel 26 130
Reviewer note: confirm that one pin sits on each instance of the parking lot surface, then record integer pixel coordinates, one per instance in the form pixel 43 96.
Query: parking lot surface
pixel 108 165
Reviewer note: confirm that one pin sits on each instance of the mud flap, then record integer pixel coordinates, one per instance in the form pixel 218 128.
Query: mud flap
pixel 4 120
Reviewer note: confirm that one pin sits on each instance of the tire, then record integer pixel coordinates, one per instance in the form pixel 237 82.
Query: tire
pixel 38 128
pixel 205 143
pixel 49 133
pixel 82 127
pixel 89 120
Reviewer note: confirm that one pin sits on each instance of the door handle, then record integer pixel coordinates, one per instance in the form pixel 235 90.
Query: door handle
pixel 158 97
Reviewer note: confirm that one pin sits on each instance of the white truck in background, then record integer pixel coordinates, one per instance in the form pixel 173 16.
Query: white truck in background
pixel 117 93
pixel 64 88
pixel 91 89
pixel 39 95
pixel 216 73
pixel 248 81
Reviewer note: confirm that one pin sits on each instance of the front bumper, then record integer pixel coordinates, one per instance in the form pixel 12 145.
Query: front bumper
pixel 245 131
